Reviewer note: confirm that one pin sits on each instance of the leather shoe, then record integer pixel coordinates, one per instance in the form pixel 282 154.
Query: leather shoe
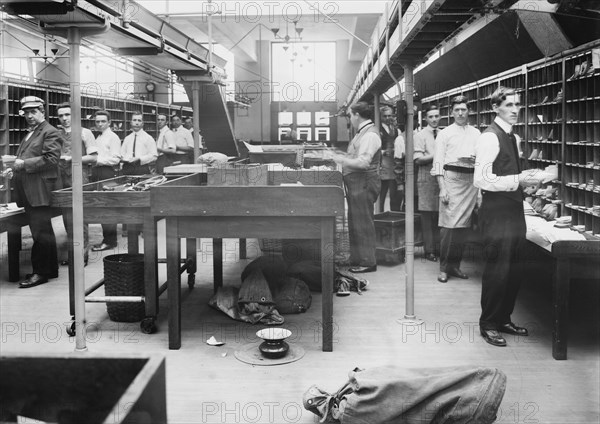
pixel 493 337
pixel 431 257
pixel 443 277
pixel 511 328
pixel 458 273
pixel 361 269
pixel 102 246
pixel 34 280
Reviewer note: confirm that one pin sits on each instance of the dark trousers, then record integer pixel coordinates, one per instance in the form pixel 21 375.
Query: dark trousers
pixel 135 169
pixel 395 195
pixel 44 254
pixel 431 231
pixel 162 162
pixel 67 182
pixel 452 243
pixel 503 229
pixel 109 231
pixel 362 189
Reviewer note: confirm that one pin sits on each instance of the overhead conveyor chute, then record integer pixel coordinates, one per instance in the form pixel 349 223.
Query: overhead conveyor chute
pixel 213 116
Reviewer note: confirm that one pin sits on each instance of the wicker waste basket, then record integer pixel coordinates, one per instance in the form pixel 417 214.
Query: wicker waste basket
pixel 124 276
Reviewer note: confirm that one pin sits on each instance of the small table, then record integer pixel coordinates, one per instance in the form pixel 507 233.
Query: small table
pixel 11 222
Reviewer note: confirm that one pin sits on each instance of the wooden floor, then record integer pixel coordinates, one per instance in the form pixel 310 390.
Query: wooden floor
pixel 208 384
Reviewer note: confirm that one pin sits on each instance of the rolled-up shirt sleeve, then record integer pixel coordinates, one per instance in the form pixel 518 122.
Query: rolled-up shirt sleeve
pixel 486 151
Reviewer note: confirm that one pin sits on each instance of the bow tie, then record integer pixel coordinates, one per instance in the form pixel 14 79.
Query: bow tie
pixel 30 129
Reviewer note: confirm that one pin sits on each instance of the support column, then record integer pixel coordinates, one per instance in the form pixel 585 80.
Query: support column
pixel 196 118
pixel 74 39
pixel 409 316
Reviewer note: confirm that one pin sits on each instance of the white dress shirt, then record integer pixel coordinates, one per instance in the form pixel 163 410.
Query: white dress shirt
pixel 145 147
pixel 488 147
pixel 453 142
pixel 109 148
pixel 166 139
pixel 183 138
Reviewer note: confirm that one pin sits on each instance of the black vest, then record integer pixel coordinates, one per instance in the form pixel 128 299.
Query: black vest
pixel 388 139
pixel 507 161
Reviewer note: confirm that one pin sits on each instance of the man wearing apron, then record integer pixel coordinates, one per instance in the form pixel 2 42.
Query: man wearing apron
pixel 458 196
pixel 498 174
pixel 427 186
pixel 360 168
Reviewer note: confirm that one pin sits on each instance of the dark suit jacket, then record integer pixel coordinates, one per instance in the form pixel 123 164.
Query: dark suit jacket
pixel 41 153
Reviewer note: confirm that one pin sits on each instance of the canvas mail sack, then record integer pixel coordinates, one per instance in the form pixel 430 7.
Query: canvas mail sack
pixel 397 395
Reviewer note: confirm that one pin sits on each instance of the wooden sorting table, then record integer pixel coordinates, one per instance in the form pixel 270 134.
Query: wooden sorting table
pixel 570 259
pixel 267 211
pixel 124 207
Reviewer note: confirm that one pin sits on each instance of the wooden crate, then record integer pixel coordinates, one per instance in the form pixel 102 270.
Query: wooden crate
pixel 390 233
pixel 83 389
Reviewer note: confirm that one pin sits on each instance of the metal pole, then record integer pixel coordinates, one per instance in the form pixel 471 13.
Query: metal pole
pixel 410 196
pixel 210 42
pixel 196 118
pixel 377 122
pixel 74 40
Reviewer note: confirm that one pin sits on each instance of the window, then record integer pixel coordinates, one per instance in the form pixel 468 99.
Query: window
pixel 296 78
pixel 18 68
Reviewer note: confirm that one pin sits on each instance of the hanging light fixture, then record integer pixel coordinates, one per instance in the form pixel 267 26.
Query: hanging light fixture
pixel 289 38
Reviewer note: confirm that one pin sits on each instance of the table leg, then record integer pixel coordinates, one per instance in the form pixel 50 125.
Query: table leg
pixel 217 263
pixel 70 255
pixel 560 302
pixel 14 247
pixel 243 252
pixel 327 257
pixel 150 266
pixel 133 233
pixel 174 282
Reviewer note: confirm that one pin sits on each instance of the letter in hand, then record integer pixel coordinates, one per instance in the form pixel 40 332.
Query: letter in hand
pixel 531 177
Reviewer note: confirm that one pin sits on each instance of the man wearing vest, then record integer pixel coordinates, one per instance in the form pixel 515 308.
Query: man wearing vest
pixel 388 177
pixel 498 174
pixel 360 168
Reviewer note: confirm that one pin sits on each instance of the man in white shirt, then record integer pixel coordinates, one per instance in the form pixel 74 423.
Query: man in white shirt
pixel 165 144
pixel 139 148
pixel 109 156
pixel 360 168
pixel 427 187
pixel 501 217
pixel 454 146
pixel 89 154
pixel 184 141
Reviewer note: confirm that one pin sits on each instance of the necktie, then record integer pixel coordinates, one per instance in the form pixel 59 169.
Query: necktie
pixel 434 133
pixel 134 143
